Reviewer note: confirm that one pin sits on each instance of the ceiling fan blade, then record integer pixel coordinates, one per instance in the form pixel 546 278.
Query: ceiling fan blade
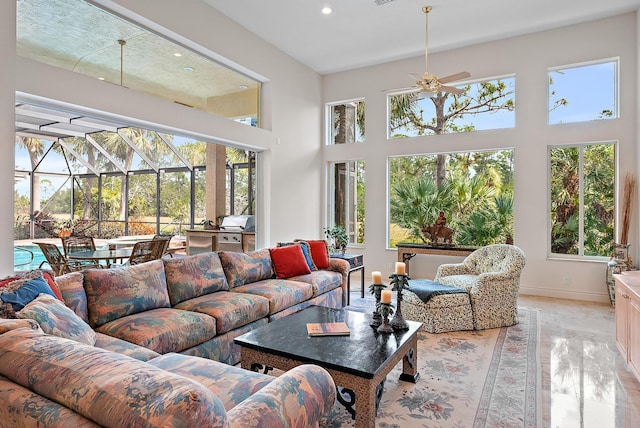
pixel 451 89
pixel 454 77
pixel 405 89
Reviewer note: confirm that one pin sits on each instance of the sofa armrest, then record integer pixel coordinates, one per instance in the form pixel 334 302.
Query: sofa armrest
pixel 451 269
pixel 298 398
pixel 341 266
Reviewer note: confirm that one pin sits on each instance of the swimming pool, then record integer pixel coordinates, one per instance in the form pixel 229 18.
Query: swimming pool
pixel 26 257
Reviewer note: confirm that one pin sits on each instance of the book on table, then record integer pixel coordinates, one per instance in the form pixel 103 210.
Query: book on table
pixel 328 329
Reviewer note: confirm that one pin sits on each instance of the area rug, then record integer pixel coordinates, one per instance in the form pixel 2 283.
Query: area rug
pixel 488 378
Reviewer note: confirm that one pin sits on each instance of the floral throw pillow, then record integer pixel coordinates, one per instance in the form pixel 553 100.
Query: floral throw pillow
pixel 58 320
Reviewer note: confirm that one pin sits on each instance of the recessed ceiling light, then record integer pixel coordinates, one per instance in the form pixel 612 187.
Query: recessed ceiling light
pixel 189 69
pixel 244 87
pixel 100 78
pixel 177 54
pixel 327 10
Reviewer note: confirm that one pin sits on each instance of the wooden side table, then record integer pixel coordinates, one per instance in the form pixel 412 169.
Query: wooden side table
pixel 355 264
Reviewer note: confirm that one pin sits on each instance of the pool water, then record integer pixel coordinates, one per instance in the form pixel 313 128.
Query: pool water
pixel 22 257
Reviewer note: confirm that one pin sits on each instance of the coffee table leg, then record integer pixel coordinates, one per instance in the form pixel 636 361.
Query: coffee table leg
pixel 347 398
pixel 410 364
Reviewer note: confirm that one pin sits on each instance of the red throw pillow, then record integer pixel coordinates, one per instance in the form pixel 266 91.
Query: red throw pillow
pixel 319 253
pixel 289 261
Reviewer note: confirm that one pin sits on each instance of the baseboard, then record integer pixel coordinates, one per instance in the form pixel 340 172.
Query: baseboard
pixel 565 294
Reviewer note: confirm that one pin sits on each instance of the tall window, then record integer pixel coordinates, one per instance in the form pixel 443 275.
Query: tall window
pixel 583 92
pixel 347 198
pixel 582 199
pixel 346 122
pixel 475 195
pixel 482 105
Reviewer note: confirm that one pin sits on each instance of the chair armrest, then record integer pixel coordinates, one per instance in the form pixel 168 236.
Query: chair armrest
pixel 300 397
pixel 494 284
pixel 452 269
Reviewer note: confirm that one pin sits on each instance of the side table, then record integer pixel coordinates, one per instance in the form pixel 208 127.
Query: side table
pixel 355 264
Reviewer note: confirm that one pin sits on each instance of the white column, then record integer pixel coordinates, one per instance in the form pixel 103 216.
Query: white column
pixel 7 131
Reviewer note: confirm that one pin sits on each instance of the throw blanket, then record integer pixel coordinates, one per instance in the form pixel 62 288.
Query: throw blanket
pixel 425 289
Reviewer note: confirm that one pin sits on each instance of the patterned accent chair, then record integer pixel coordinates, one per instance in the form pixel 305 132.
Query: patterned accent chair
pixel 491 275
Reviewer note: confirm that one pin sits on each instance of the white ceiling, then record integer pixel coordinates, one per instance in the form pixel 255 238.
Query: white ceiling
pixel 361 33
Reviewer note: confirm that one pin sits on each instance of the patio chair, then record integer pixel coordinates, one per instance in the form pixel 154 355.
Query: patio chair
pixel 58 262
pixel 74 244
pixel 146 251
pixel 167 241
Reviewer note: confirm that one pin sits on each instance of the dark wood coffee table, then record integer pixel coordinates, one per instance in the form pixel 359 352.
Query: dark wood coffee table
pixel 358 363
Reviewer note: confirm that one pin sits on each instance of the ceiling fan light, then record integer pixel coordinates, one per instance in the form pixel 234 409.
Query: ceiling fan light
pixel 423 95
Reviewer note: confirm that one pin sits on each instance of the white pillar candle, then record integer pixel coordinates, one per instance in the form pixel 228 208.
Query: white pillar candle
pixel 400 268
pixel 376 277
pixel 385 296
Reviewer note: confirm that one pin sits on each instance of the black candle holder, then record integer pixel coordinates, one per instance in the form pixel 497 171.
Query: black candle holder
pixel 385 310
pixel 376 290
pixel 399 283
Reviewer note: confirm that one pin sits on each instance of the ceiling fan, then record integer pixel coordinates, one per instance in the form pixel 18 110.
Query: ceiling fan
pixel 430 83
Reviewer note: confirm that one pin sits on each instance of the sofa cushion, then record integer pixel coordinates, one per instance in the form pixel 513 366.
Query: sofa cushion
pixel 24 408
pixel 72 289
pixel 194 276
pixel 117 292
pixel 245 268
pixel 281 293
pixel 231 310
pixel 113 344
pixel 16 293
pixel 232 385
pixel 108 388
pixel 321 280
pixel 55 318
pixel 162 330
pixel 289 261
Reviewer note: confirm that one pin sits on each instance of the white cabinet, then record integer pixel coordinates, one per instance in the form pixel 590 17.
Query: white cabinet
pixel 628 318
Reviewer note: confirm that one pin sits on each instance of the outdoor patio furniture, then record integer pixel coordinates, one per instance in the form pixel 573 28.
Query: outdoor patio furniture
pixel 56 260
pixel 75 244
pixel 145 251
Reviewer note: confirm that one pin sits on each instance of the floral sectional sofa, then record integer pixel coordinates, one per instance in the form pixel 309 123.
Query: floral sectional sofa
pixel 198 304
pixel 130 340
pixel 50 381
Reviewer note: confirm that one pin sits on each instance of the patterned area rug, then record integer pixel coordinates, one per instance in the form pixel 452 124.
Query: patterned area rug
pixel 487 378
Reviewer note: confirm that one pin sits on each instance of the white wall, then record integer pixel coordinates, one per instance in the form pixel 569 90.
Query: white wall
pixel 528 57
pixel 7 131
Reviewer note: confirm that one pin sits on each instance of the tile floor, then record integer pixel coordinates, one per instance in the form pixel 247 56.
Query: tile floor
pixel 585 382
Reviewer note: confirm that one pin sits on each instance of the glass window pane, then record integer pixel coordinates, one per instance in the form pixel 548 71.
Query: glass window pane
pixel 583 93
pixel 582 196
pixel 348 184
pixel 473 190
pixel 346 122
pixel 481 106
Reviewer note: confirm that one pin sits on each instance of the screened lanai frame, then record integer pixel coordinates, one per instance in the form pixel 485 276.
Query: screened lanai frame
pixel 162 188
